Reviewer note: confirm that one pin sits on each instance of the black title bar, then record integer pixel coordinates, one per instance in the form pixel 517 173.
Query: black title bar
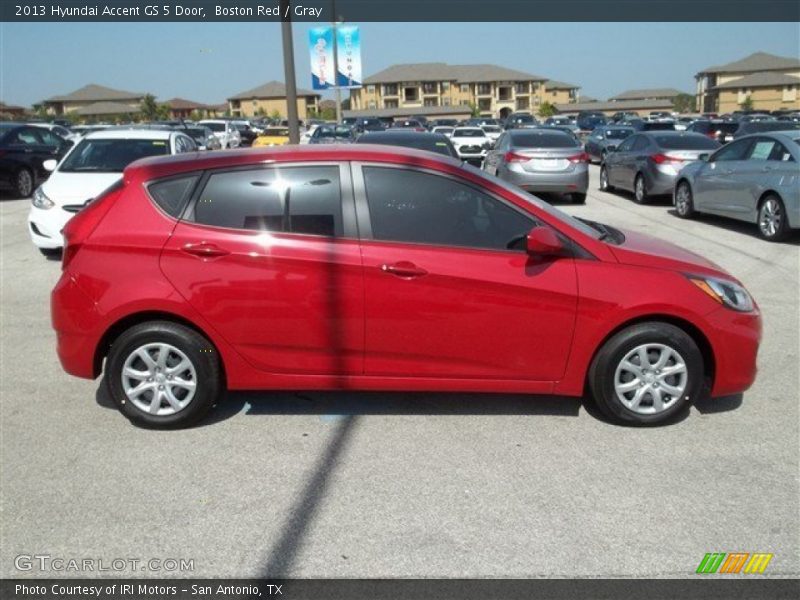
pixel 401 10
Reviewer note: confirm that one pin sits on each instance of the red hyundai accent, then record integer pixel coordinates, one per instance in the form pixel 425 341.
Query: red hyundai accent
pixel 377 268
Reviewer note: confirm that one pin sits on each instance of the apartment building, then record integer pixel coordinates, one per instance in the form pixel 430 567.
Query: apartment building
pixel 438 88
pixel 665 94
pixel 271 98
pixel 94 100
pixel 770 82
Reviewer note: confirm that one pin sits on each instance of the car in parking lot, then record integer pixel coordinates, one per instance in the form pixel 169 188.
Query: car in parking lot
pixel 762 126
pixel 227 134
pixel 332 134
pixel 520 120
pixel 93 164
pixel 716 129
pixel 443 130
pixel 492 131
pixel 471 143
pixel 272 136
pixel 413 124
pixel 588 120
pixel 430 142
pixel 315 268
pixel 604 140
pixel 642 125
pixel 541 160
pixel 755 179
pixel 648 163
pixel 23 151
pixel 203 137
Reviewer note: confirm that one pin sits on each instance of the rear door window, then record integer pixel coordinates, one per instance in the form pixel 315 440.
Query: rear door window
pixel 303 200
pixel 736 150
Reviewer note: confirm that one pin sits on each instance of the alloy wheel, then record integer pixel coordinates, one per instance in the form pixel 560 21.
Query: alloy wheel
pixel 771 218
pixel 24 183
pixel 682 200
pixel 650 379
pixel 639 189
pixel 603 178
pixel 159 379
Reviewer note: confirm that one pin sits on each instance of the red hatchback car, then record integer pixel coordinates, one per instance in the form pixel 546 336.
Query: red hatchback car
pixel 378 268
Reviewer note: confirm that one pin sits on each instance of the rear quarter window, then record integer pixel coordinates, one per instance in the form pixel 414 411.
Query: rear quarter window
pixel 171 195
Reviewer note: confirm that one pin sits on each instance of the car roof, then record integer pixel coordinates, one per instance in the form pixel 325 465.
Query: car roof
pixel 130 134
pixel 540 131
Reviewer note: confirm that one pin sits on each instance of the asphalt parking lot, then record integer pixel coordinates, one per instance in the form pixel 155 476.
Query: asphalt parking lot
pixel 404 485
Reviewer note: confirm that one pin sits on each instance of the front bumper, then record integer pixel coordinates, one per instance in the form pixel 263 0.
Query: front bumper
pixel 44 227
pixel 735 338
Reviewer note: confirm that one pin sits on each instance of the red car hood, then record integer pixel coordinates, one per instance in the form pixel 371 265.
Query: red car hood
pixel 646 251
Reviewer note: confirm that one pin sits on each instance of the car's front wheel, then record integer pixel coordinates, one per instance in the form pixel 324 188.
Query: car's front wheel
pixel 604 185
pixel 23 183
pixel 772 223
pixel 684 202
pixel 162 374
pixel 647 373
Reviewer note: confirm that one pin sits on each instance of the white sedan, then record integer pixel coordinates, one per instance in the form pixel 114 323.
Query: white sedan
pixel 91 166
pixel 225 131
pixel 471 143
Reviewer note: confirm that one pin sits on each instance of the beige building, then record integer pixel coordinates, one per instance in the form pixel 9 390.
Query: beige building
pixel 771 82
pixel 664 94
pixel 271 98
pixel 641 107
pixel 94 101
pixel 439 88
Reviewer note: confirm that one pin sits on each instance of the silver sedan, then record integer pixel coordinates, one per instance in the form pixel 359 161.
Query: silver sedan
pixel 541 160
pixel 754 179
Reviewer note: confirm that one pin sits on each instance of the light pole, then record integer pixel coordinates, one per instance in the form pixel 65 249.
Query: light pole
pixel 288 69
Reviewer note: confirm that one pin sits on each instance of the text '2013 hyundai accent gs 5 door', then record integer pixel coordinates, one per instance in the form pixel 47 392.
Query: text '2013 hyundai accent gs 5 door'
pixel 377 268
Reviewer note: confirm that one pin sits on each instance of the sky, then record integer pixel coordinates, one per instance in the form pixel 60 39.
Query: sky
pixel 209 62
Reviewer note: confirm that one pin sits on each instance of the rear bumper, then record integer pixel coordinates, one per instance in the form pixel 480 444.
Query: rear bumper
pixel 735 338
pixel 576 181
pixel 661 181
pixel 75 318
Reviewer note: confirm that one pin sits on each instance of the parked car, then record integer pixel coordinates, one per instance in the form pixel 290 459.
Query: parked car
pixel 81 130
pixel 430 142
pixel 93 164
pixel 541 160
pixel 716 129
pixel 444 122
pixel 648 163
pixel 492 131
pixel 443 130
pixel 409 124
pixel 682 123
pixel 558 120
pixel 195 275
pixel 624 115
pixel 471 143
pixel 520 121
pixel 63 132
pixel 754 179
pixel 642 125
pixel 272 136
pixel 604 140
pixel 367 124
pixel 224 131
pixel 247 134
pixel 23 151
pixel 588 120
pixel 332 134
pixel 203 137
pixel 751 127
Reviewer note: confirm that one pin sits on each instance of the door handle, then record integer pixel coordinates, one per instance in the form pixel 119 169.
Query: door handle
pixel 404 269
pixel 204 249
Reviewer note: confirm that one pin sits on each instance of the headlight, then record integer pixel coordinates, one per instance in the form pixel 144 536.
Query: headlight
pixel 40 200
pixel 725 292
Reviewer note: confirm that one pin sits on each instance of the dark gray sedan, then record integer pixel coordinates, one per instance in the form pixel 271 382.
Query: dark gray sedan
pixel 604 140
pixel 648 163
pixel 754 179
pixel 541 160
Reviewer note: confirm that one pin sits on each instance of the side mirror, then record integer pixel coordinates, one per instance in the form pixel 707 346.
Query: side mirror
pixel 50 164
pixel 704 156
pixel 543 241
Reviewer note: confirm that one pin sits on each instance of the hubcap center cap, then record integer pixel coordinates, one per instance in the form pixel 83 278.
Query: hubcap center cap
pixel 649 377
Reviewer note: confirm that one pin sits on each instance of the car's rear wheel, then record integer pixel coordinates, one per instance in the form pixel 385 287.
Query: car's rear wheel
pixel 162 374
pixel 647 373
pixel 23 183
pixel 684 201
pixel 604 185
pixel 772 224
pixel 640 190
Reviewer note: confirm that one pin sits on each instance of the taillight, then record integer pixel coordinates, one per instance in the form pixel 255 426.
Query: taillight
pixel 81 226
pixel 661 159
pixel 579 158
pixel 510 157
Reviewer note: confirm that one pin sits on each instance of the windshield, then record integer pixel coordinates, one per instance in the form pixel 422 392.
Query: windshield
pixel 468 133
pixel 331 132
pixel 111 156
pixel 214 126
pixel 540 204
pixel 617 134
pixel 276 131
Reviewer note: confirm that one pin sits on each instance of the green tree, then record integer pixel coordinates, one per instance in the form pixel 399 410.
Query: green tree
pixel 546 109
pixel 746 104
pixel 149 107
pixel 328 114
pixel 275 115
pixel 683 103
pixel 474 111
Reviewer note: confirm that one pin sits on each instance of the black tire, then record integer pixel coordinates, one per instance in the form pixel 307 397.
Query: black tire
pixel 640 190
pixel 51 253
pixel 578 198
pixel 603 372
pixel 604 185
pixel 772 223
pixel 24 183
pixel 684 200
pixel 196 348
